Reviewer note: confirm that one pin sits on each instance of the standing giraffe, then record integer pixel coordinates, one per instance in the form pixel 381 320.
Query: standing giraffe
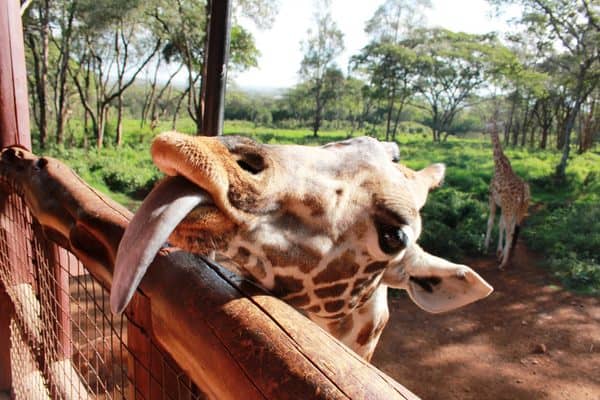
pixel 327 229
pixel 509 192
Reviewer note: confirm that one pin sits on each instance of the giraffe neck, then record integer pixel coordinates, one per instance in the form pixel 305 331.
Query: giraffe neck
pixel 501 162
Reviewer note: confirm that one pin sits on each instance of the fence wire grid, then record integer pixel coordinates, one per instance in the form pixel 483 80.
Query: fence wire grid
pixel 64 341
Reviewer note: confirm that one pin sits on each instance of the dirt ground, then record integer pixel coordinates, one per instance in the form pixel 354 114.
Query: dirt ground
pixel 529 340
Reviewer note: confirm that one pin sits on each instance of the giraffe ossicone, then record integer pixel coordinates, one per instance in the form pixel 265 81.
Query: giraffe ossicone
pixel 328 229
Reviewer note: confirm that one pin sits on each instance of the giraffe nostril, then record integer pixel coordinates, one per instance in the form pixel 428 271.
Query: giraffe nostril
pixel 9 155
pixel 40 163
pixel 252 162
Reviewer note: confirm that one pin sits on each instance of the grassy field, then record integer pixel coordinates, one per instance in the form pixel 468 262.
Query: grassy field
pixel 564 225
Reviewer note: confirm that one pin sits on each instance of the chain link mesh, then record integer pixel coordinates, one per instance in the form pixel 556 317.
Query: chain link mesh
pixel 65 342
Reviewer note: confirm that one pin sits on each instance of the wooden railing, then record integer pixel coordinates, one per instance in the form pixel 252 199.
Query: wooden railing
pixel 233 340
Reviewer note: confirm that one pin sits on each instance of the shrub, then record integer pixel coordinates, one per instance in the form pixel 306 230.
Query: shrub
pixel 569 237
pixel 453 224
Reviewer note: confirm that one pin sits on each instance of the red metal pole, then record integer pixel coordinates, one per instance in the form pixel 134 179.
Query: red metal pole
pixel 14 107
pixel 14 129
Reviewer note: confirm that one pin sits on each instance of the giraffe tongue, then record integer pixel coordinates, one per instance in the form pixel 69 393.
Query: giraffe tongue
pixel 162 210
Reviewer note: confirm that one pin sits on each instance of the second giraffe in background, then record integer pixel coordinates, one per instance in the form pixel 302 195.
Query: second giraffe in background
pixel 509 192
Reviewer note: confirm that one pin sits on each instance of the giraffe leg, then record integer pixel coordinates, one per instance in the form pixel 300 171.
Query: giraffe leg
pixel 501 231
pixel 509 226
pixel 490 223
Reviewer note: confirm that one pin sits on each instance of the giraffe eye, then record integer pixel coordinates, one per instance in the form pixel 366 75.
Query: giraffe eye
pixel 392 238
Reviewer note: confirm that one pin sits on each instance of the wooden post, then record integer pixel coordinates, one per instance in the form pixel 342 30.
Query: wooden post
pixel 14 129
pixel 62 325
pixel 215 67
pixel 140 369
pixel 6 313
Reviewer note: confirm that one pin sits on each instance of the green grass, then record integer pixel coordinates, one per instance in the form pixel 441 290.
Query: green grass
pixel 565 227
pixel 569 238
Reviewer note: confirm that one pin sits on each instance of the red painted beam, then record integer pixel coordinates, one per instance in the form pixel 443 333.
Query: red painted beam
pixel 14 106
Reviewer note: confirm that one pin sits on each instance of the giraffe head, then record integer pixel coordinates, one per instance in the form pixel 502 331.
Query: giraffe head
pixel 321 227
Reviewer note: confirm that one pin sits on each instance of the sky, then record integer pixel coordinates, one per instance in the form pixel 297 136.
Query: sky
pixel 280 46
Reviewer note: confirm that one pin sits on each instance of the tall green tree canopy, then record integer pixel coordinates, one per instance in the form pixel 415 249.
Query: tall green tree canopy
pixel 453 66
pixel 317 67
pixel 567 34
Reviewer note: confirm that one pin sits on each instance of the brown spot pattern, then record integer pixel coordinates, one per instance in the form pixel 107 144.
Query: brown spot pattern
pixel 359 284
pixel 331 291
pixel 286 284
pixel 336 316
pixel 334 306
pixel 343 267
pixel 259 269
pixel 376 266
pixel 314 205
pixel 298 301
pixel 295 255
pixel 242 256
pixel 341 327
pixel 314 309
pixel 360 229
pixel 365 334
pixel 367 295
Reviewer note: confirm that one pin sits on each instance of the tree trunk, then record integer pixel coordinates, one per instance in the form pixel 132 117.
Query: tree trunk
pixel 532 137
pixel 389 114
pixel 40 73
pixel 544 139
pixel 561 127
pixel 318 110
pixel 178 108
pixel 562 166
pixel 45 39
pixel 119 138
pixel 526 122
pixel 61 87
pixel 515 133
pixel 87 113
pixel 397 120
pixel 149 100
pixel 101 126
pixel 587 129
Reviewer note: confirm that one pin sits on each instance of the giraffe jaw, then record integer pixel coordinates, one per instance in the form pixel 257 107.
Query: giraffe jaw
pixel 160 213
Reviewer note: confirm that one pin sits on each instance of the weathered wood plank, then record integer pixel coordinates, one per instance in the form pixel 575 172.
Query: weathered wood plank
pixel 232 341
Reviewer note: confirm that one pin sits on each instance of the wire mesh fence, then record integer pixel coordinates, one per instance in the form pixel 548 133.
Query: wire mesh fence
pixel 64 341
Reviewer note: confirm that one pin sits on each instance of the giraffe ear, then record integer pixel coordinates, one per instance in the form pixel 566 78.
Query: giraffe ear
pixel 447 288
pixel 434 284
pixel 392 150
pixel 426 179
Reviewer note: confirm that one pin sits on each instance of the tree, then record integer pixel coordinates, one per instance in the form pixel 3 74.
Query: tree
pixel 452 67
pixel 318 68
pixel 182 25
pixel 390 67
pixel 395 18
pixel 37 39
pixel 391 70
pixel 569 32
pixel 104 51
pixel 65 16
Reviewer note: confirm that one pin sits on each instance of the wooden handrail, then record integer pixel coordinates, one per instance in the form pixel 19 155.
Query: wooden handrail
pixel 233 339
